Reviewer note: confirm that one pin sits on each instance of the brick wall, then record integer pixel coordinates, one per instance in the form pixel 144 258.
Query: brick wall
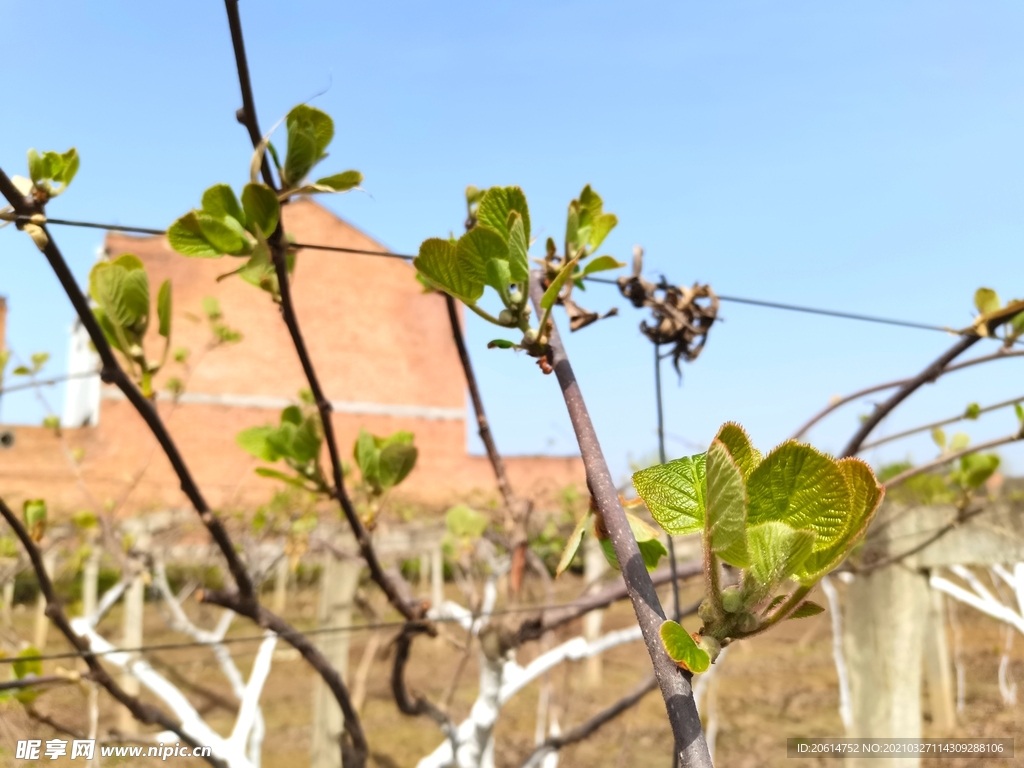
pixel 377 341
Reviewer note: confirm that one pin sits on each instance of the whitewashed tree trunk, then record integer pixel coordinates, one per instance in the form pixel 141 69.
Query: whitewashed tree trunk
pixel 131 637
pixel 883 644
pixel 338 584
pixel 939 667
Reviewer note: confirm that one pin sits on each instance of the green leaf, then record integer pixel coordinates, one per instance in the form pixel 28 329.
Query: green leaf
pixel 500 344
pixel 439 262
pixel 254 441
pixel 273 474
pixel 367 456
pixel 551 294
pixel 219 201
pixel 211 308
pixel 601 264
pixel 939 438
pixel 675 493
pixel 987 300
pixel 163 308
pixel 478 247
pixel 262 210
pixel 735 439
pixel 33 512
pixel 68 168
pixel 805 610
pixel 395 463
pixel 319 121
pixel 309 133
pixel 573 544
pixel 973 411
pixel 465 523
pixel 23 666
pixel 341 182
pixel 499 278
pixel 495 207
pixel 726 516
pixel 39 359
pixel 865 497
pixel 647 541
pixel 305 441
pixel 121 288
pixel 799 486
pixel 1019 410
pixel 37 170
pixel 225 235
pixel 572 227
pixel 600 228
pixel 1017 324
pixel 518 245
pixel 776 552
pixel 683 649
pixel 186 237
pixel 960 441
pixel 977 468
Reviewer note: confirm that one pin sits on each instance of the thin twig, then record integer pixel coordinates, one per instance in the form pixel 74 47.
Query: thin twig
pixel 247 116
pixel 675 685
pixel 586 729
pixel 942 460
pixel 944 422
pixel 113 373
pixel 144 713
pixel 416 705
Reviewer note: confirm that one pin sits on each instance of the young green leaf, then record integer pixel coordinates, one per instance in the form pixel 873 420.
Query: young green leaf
pixel 803 488
pixel 683 649
pixel 26 664
pixel 987 300
pixel 735 439
pixel 960 441
pixel 262 210
pixel 186 237
pixel 551 294
pixel 601 264
pixel 675 493
pixel 341 182
pixel 972 412
pixel 865 497
pixel 465 523
pixel 309 133
pixel 395 463
pixel 163 308
pixel 805 610
pixel 33 512
pixel 478 247
pixel 726 515
pixel 274 474
pixel 367 456
pixel 439 262
pixel 254 441
pixel 518 245
pixel 500 344
pixel 977 468
pixel 219 201
pixel 573 544
pixel 495 207
pixel 939 438
pixel 499 278
pixel 647 541
pixel 224 234
pixel 776 552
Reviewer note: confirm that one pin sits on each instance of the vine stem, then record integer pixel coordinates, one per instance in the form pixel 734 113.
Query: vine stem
pixel 247 116
pixel 141 711
pixel 691 746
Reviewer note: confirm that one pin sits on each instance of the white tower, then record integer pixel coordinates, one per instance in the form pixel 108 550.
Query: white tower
pixel 82 394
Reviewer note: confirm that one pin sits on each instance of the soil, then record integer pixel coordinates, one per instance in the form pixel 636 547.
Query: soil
pixel 777 685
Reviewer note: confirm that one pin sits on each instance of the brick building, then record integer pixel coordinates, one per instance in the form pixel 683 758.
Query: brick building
pixel 383 350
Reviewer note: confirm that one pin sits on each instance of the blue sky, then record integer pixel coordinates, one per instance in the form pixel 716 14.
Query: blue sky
pixel 863 157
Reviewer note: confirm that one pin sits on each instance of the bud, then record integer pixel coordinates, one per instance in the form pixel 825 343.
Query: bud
pixel 707 613
pixel 506 317
pixel 732 599
pixel 711 645
pixel 748 622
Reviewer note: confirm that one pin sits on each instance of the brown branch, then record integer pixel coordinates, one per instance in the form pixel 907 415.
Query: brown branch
pixel 113 373
pixel 144 713
pixel 552 618
pixel 407 703
pixel 942 423
pixel 586 729
pixel 518 509
pixel 928 375
pixel 354 752
pixel 942 460
pixel 247 116
pixel 59 727
pixel 1002 353
pixel 675 685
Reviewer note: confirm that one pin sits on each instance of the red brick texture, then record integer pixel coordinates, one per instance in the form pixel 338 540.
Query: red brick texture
pixel 374 337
